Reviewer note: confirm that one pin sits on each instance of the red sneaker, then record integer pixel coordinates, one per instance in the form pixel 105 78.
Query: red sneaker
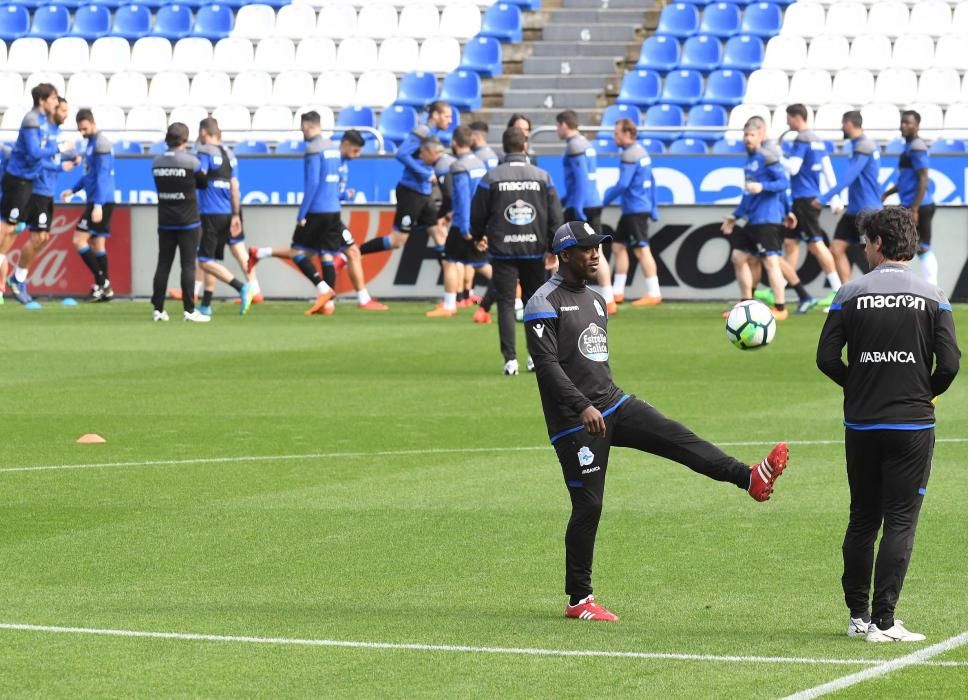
pixel 765 474
pixel 588 609
pixel 372 305
pixel 319 306
pixel 476 298
pixel 481 316
pixel 252 262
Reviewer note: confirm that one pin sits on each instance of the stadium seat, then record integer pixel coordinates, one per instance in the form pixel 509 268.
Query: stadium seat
pixel 853 85
pixel 768 87
pixel 701 53
pixel 291 147
pixel 109 117
pixel 173 22
pixel 947 145
pixel 377 88
pixel 127 89
pixel 356 117
pixel 955 120
pixel 762 19
pixel 730 147
pixel 396 121
pixel 88 88
pixel 213 22
pixel 705 115
pixel 291 87
pixel 255 21
pixel 615 112
pixel 803 19
pixel 190 116
pixel 659 116
pixel 846 18
pixel 503 22
pixel 725 87
pixel 932 18
pixel 336 22
pixel 462 89
pixel 377 20
pixel 210 89
pixel 250 147
pixel 682 87
pixel 895 147
pixel 11 90
pixel 605 146
pixel 417 89
pixel 27 54
pixel 233 118
pixel 91 22
pixel 691 147
pixel 43 76
pixel 356 54
pixel 316 54
pixel 660 53
pixel 951 51
pixel 896 86
pixel 889 18
pixel 295 22
pixel 959 19
pixel 145 123
pixel 68 54
pixel 828 53
pixel 914 51
pixel 653 146
pixel 326 118
pixel 829 117
pixel 252 88
pixel 110 54
pixel 460 21
pixel 880 117
pixel 932 119
pixel 721 19
pixel 641 88
pixel 275 54
pixel 939 85
pixel 439 54
pixel 50 22
pixel 872 52
pixel 335 89
pixel 482 54
pixel 739 116
pixel 785 52
pixel 271 122
pixel 132 22
pixel 743 53
pixel 168 89
pixel 128 148
pixel 419 21
pixel 14 22
pixel 232 55
pixel 678 20
pixel 192 55
pixel 150 54
pixel 810 86
pixel 157 148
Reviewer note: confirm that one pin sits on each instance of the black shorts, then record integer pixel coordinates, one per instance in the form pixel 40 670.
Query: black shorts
pixel 40 212
pixel 215 234
pixel 415 211
pixel 633 230
pixel 759 239
pixel 323 233
pixel 16 197
pixel 458 249
pixel 925 215
pixel 101 229
pixel 847 230
pixel 808 227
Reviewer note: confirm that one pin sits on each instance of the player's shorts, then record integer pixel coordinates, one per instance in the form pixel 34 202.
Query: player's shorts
pixel 40 212
pixel 847 230
pixel 458 249
pixel 102 229
pixel 808 227
pixel 15 198
pixel 323 233
pixel 415 211
pixel 215 234
pixel 925 215
pixel 633 230
pixel 764 239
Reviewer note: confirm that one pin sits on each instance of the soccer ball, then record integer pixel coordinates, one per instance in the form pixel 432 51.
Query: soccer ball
pixel 750 325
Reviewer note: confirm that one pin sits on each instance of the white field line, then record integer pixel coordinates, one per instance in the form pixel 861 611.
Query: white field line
pixel 382 453
pixel 882 669
pixel 393 646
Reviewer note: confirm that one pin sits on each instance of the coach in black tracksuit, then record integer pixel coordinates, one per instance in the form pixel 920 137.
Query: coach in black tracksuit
pixel 517 209
pixel 896 327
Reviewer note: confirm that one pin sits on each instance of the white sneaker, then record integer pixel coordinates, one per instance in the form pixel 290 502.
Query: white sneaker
pixel 897 633
pixel 511 368
pixel 197 317
pixel 857 627
pixel 530 364
pixel 159 315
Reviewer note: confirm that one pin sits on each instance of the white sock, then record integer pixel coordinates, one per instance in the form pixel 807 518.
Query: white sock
pixel 254 285
pixel 322 287
pixel 607 294
pixel 652 287
pixel 263 253
pixel 834 280
pixel 518 304
pixel 363 297
pixel 198 288
pixel 450 301
pixel 20 273
pixel 618 287
pixel 929 267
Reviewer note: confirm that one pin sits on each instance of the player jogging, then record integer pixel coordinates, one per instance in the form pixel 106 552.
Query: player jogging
pixel 566 325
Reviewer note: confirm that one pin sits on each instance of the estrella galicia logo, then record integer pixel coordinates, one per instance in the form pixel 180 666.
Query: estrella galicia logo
pixel 585 456
pixel 520 213
pixel 593 343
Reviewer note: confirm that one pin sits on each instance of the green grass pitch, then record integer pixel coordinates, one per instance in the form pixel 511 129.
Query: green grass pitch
pixel 406 493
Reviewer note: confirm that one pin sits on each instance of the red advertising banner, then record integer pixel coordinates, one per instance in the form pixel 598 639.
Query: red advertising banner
pixel 59 270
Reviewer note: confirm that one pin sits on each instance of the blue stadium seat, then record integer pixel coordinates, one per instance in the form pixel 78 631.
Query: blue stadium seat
pixel 615 112
pixel 112 4
pixel 50 22
pixel 503 22
pixel 157 147
pixel 705 115
pixel 251 147
pixel 173 22
pixel 679 20
pixel 417 89
pixel 462 89
pixel 641 88
pixel 663 116
pixel 357 116
pixel 128 148
pixel 659 53
pixel 483 55
pixel 948 146
pixel 728 147
pixel 527 5
pixel 396 121
pixel 683 147
pixel 293 147
pixel 604 145
pixel 762 19
pixel 652 145
pixel 682 87
pixel 702 53
pixel 14 22
pixel 725 87
pixel 132 22
pixel 894 147
pixel 214 21
pixel 744 52
pixel 92 22
pixel 722 19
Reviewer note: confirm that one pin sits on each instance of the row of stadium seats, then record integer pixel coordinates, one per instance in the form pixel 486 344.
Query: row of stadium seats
pixel 690 146
pixel 644 88
pixel 889 18
pixel 703 52
pixel 722 19
pixel 874 52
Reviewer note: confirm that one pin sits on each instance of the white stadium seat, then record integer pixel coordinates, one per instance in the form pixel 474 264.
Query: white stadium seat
pixel 192 55
pixel 26 55
pixel 951 51
pixel 108 117
pixel 232 55
pixel 336 22
pixel 232 117
pixel 210 89
pixel 939 85
pixel 439 54
pixel 932 17
pixel 399 54
pixel 110 54
pixel 295 22
pixel 376 88
pixel 11 89
pixel 888 18
pixel 830 116
pixel 959 19
pixel 377 21
pixel 881 118
pixel 3 54
pixel 326 117
pixel 270 122
pixel 275 55
pixel 168 89
pixel 741 113
pixel 190 116
pixel 69 54
pixel 786 52
pixel 460 21
pixel 13 116
pixel 315 54
pixel 252 88
pixel 847 18
pixel 828 52
pixel 803 19
pixel 932 119
pixel 769 87
pixel 87 88
pixel 335 88
pixel 914 51
pixel 44 76
pixel 254 21
pixel 292 88
pixel 146 123
pixel 871 51
pixel 150 54
pixel 810 86
pixel 956 121
pixel 853 85
pixel 897 86
pixel 419 21
pixel 356 54
pixel 127 89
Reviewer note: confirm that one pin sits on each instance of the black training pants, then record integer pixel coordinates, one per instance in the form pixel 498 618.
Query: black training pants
pixel 584 459
pixel 186 243
pixel 888 473
pixel 507 273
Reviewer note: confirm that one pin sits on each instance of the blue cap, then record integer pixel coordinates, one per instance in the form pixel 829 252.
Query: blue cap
pixel 576 233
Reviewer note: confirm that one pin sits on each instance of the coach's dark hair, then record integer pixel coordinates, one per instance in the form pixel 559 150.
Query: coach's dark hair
pixel 627 126
pixel 895 228
pixel 210 126
pixel 514 140
pixel 515 117
pixel 797 110
pixel 353 138
pixel 480 127
pixel 569 118
pixel 176 135
pixel 463 136
pixel 311 117
pixel 84 114
pixel 41 92
pixel 911 113
pixel 437 107
pixel 854 117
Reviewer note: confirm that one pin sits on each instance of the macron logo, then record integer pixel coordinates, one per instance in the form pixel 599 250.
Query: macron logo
pixel 890 301
pixel 538 329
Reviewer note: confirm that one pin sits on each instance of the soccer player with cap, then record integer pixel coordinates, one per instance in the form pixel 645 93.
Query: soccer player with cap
pixel 587 414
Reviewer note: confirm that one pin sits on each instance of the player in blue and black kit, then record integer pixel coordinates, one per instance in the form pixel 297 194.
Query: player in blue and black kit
pixel 863 194
pixel 480 147
pixel 914 190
